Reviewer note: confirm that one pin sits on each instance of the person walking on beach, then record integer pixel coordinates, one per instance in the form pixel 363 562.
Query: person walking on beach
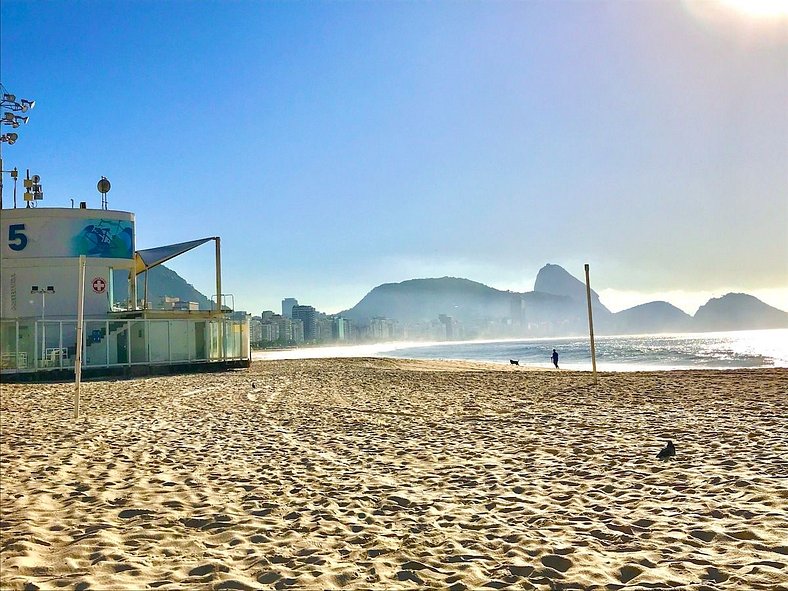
pixel 555 358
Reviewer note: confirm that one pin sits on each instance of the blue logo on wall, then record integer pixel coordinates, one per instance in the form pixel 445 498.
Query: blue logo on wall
pixel 105 238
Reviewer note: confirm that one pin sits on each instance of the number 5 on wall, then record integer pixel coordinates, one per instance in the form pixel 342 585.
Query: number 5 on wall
pixel 17 240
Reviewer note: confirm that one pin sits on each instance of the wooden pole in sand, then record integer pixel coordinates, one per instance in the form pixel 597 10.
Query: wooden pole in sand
pixel 591 324
pixel 80 338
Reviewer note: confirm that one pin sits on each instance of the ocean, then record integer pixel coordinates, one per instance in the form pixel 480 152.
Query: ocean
pixel 720 350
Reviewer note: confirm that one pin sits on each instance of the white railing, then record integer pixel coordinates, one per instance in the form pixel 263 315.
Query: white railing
pixel 40 345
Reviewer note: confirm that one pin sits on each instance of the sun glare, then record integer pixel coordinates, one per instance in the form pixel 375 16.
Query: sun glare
pixel 752 22
pixel 759 8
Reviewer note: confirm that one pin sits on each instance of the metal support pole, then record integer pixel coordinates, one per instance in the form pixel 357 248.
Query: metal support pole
pixel 39 365
pixel 219 295
pixel 591 324
pixel 43 326
pixel 145 301
pixel 80 335
pixel 218 273
pixel 133 287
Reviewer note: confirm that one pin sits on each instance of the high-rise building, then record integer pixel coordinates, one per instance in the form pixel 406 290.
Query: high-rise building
pixel 517 307
pixel 255 330
pixel 342 329
pixel 297 328
pixel 287 307
pixel 269 332
pixel 308 316
pixel 285 328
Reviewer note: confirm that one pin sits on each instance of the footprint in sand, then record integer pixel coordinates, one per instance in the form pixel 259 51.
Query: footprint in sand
pixel 556 562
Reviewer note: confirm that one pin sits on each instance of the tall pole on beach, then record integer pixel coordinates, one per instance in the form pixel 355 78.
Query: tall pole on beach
pixel 80 327
pixel 591 324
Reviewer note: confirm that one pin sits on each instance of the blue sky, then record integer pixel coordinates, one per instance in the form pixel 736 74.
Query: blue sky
pixel 339 145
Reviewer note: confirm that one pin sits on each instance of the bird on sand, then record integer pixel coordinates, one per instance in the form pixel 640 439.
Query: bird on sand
pixel 667 452
pixel 253 386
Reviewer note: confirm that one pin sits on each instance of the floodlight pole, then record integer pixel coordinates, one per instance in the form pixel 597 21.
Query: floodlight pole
pixel 8 101
pixel 43 292
pixel 591 324
pixel 43 322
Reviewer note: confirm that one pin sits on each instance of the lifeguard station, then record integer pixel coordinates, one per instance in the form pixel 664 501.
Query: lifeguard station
pixel 39 277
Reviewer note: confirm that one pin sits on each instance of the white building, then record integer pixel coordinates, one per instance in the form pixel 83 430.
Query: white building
pixel 40 284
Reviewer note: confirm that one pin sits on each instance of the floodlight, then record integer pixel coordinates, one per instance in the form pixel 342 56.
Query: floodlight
pixel 26 104
pixel 9 97
pixel 14 120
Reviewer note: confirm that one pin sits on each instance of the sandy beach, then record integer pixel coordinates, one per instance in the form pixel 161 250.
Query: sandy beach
pixel 392 474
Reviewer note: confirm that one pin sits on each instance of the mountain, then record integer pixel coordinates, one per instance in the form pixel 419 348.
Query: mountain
pixel 738 311
pixel 556 307
pixel 484 310
pixel 653 317
pixel 163 281
pixel 423 300
pixel 557 281
pixel 568 315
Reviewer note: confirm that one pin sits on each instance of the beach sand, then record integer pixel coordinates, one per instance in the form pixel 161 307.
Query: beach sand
pixel 393 474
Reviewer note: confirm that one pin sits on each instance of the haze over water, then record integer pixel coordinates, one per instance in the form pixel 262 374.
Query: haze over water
pixel 720 350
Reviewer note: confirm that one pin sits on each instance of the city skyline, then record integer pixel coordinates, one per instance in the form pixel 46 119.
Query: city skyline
pixel 339 146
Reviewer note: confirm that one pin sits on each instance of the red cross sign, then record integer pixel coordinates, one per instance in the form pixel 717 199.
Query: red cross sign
pixel 99 285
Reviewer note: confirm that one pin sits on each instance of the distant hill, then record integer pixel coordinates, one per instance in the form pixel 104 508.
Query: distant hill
pixel 556 307
pixel 422 300
pixel 163 281
pixel 738 311
pixel 653 317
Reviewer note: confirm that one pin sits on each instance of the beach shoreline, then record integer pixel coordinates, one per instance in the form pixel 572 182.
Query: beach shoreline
pixel 382 473
pixel 754 349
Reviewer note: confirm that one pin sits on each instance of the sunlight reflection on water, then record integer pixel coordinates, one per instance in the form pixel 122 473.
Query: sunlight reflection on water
pixel 722 350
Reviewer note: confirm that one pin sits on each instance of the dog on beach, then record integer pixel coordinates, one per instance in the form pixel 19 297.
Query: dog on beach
pixel 667 452
pixel 514 361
